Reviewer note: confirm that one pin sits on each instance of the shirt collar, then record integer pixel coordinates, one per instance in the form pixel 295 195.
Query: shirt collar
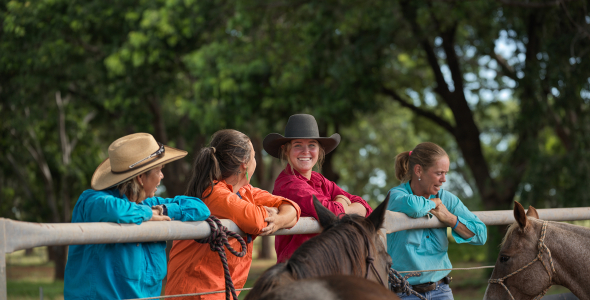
pixel 409 189
pixel 290 171
pixel 231 187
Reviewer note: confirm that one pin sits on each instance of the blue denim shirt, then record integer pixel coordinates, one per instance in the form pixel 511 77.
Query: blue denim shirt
pixel 122 271
pixel 426 249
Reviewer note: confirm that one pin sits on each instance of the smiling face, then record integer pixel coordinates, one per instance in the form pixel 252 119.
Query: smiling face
pixel 151 181
pixel 304 155
pixel 432 178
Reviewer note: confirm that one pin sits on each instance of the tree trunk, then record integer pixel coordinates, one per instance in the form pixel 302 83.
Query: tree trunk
pixel 60 258
pixel 498 192
pixel 328 168
pixel 265 176
pixel 175 173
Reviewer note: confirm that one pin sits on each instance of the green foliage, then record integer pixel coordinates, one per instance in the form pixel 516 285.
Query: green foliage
pixel 504 89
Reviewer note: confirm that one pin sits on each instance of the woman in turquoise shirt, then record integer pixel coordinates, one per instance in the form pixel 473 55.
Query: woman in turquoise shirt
pixel 422 172
pixel 123 191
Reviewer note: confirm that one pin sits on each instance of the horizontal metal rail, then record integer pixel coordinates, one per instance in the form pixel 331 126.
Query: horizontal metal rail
pixel 22 235
pixel 17 235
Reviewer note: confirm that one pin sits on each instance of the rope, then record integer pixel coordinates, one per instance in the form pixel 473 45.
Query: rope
pixel 394 278
pixel 216 241
pixel 472 268
pixel 399 282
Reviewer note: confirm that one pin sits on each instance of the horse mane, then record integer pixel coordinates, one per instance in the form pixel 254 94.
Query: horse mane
pixel 343 240
pixel 571 227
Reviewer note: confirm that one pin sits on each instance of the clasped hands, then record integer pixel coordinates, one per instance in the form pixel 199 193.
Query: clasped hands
pixel 275 222
pixel 442 213
pixel 158 214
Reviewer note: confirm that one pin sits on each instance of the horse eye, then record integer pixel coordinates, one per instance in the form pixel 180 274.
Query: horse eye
pixel 504 259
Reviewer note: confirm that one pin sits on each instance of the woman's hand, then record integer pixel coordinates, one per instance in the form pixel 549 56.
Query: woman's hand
pixel 349 207
pixel 442 213
pixel 342 200
pixel 283 217
pixel 157 216
pixel 447 218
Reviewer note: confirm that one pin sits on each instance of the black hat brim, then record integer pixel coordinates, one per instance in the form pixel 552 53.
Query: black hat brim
pixel 272 143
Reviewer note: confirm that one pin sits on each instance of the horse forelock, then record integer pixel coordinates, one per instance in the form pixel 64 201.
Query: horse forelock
pixel 514 226
pixel 325 254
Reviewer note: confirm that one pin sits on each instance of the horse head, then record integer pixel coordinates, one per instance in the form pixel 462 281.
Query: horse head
pixel 348 245
pixel 377 261
pixel 524 268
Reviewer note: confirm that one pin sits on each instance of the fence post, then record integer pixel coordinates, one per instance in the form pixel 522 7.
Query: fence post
pixel 3 290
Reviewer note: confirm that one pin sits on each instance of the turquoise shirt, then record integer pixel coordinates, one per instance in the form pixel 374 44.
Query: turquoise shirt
pixel 426 249
pixel 122 271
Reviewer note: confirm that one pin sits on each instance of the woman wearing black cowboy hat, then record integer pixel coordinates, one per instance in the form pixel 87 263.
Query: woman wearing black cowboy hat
pixel 123 191
pixel 303 148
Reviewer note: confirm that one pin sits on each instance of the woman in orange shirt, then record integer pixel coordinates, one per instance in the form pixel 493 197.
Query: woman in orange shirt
pixel 221 178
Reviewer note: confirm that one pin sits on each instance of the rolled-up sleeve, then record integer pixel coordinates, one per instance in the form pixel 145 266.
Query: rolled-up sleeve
pixel 467 218
pixel 108 208
pixel 265 198
pixel 225 204
pixel 336 190
pixel 414 206
pixel 183 208
pixel 302 194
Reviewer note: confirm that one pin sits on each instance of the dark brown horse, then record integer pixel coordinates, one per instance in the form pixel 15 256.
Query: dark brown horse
pixel 349 245
pixel 537 254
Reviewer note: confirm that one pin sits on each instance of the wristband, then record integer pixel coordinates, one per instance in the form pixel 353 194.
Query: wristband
pixel 456 224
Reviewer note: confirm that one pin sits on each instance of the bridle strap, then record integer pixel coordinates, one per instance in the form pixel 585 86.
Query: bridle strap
pixel 370 262
pixel 542 248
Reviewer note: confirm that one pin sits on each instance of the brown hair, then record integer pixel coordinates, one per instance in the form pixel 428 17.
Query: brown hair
pixel 132 189
pixel 228 150
pixel 425 154
pixel 286 148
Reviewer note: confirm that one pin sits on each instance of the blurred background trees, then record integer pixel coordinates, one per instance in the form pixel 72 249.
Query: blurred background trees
pixel 503 86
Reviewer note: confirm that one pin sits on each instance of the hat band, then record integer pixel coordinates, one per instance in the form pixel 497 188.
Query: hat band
pixel 157 155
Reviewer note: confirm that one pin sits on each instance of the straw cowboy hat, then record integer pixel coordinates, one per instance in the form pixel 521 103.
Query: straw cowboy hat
pixel 130 156
pixel 300 126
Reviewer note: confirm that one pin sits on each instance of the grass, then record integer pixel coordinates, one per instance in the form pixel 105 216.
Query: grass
pixel 25 290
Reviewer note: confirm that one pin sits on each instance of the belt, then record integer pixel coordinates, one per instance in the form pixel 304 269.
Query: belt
pixel 427 287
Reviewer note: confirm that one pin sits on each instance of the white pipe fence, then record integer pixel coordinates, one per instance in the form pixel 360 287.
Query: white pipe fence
pixel 17 235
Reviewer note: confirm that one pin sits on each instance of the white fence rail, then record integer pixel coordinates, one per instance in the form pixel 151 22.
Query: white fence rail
pixel 17 235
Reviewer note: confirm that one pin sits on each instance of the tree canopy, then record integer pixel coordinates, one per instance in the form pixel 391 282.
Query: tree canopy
pixel 502 85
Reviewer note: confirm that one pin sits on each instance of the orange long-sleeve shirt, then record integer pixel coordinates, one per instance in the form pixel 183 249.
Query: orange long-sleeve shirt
pixel 194 268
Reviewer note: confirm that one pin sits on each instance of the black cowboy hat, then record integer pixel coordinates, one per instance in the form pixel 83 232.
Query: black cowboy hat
pixel 300 126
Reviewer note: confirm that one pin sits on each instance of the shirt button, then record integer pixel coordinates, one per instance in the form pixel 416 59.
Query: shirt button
pixel 137 244
pixel 427 236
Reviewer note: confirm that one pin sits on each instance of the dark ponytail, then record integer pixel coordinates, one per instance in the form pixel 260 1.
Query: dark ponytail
pixel 228 150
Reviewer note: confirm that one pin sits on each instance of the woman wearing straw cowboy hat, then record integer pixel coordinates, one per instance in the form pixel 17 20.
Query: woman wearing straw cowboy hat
pixel 123 189
pixel 303 148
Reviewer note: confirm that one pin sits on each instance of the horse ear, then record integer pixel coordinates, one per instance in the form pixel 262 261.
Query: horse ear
pixel 519 215
pixel 378 215
pixel 325 216
pixel 532 212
